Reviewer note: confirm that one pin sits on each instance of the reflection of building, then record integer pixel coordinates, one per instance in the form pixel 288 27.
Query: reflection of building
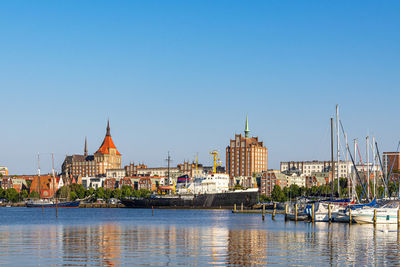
pixel 3 171
pixel 106 157
pixel 245 155
pixel 99 244
pixel 247 247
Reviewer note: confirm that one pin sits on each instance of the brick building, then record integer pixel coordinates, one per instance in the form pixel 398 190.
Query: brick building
pixel 391 165
pixel 246 155
pixel 106 157
pixel 271 178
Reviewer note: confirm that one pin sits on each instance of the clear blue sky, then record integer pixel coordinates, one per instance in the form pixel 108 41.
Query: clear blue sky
pixel 181 76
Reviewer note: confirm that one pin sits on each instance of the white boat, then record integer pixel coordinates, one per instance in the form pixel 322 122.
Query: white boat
pixel 386 214
pixel 322 211
pixel 211 183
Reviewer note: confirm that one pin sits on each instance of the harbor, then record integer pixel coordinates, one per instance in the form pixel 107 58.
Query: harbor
pixel 109 237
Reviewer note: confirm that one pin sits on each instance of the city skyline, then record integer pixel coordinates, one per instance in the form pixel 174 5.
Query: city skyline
pixel 182 77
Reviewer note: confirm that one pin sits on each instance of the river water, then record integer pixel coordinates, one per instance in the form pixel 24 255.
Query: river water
pixel 114 237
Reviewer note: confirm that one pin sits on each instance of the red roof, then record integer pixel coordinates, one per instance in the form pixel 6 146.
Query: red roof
pixel 106 145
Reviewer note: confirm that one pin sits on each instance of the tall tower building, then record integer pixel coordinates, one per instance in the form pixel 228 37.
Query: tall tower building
pixel 106 157
pixel 246 155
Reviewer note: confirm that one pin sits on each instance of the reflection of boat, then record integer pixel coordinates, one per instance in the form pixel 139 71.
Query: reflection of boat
pixel 386 214
pixel 52 204
pixel 301 216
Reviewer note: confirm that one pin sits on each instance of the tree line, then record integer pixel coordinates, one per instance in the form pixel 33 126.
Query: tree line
pixel 76 191
pixel 294 191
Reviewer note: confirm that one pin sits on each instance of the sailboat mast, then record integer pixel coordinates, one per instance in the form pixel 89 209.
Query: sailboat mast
pixel 39 176
pixel 337 148
pixel 54 178
pixel 332 161
pixel 374 164
pixel 367 142
pixel 355 167
pixel 347 166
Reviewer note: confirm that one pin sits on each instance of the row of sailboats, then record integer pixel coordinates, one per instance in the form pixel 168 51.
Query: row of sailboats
pixel 353 208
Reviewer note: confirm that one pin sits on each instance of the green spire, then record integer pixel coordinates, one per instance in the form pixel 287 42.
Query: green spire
pixel 246 130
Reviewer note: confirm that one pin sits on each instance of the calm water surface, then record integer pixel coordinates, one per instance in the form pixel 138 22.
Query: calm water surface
pixel 108 237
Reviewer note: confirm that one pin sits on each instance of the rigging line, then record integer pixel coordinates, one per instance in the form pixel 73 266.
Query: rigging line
pixel 362 164
pixel 391 166
pixel 380 162
pixel 355 169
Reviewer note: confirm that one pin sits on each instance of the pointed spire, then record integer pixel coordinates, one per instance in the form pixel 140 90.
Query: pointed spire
pixel 85 150
pixel 246 130
pixel 108 128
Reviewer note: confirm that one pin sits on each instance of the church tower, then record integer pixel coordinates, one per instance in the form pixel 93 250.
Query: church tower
pixel 107 156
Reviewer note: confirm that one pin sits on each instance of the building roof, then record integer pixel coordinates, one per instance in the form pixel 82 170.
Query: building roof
pixel 107 143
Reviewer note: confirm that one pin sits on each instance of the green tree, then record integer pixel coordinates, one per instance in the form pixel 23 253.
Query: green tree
pixel 277 194
pixel 34 194
pixel 2 192
pixel 144 193
pixel 73 195
pixel 264 198
pixel 12 195
pixel 89 192
pixel 23 194
pixel 359 191
pixel 126 191
pixel 107 193
pixel 99 193
pixel 117 193
pixel 392 189
pixel 78 189
pixel 381 191
pixel 62 192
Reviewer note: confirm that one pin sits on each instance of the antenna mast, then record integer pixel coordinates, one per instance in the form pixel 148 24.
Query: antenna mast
pixel 168 159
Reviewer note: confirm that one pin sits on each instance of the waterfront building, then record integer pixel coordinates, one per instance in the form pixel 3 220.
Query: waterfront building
pixel 309 167
pixel 44 185
pixel 244 181
pixel 209 169
pixel 117 174
pixel 93 182
pixel 110 183
pixel 271 178
pixel 59 182
pixel 3 171
pixel 106 157
pixel 245 155
pixel 159 171
pixel 295 179
pixel 6 183
pixel 139 182
pixel 190 169
pixel 131 169
pixel 317 179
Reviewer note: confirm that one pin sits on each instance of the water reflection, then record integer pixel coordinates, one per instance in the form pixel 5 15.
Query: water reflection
pixel 249 242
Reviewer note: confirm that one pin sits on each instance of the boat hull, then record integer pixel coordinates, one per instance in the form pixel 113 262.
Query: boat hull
pixel 382 216
pixel 69 204
pixel 202 201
